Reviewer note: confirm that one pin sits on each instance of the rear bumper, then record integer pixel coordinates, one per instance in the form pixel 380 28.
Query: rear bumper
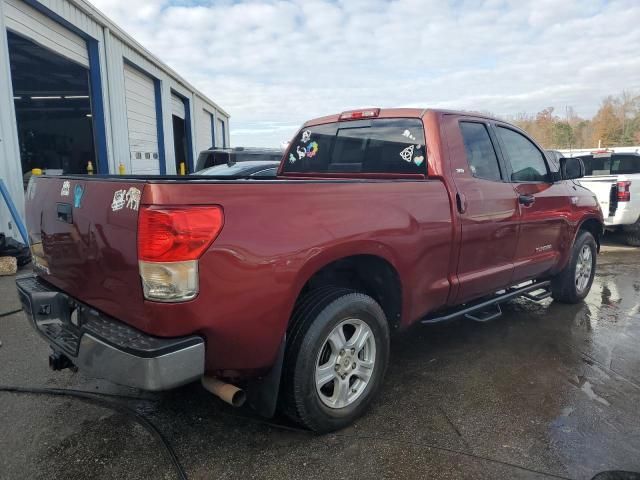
pixel 627 214
pixel 105 348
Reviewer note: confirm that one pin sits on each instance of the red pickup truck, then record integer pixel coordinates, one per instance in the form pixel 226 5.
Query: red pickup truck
pixel 287 290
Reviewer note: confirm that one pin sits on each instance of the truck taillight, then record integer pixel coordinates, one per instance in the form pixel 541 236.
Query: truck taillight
pixel 170 242
pixel 359 114
pixel 624 191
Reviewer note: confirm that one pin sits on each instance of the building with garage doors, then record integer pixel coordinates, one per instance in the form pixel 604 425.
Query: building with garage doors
pixel 75 89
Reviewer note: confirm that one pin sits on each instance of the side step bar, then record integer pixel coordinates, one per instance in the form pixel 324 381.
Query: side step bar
pixel 485 310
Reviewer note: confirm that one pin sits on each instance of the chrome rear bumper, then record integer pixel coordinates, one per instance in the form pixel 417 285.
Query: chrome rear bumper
pixel 105 348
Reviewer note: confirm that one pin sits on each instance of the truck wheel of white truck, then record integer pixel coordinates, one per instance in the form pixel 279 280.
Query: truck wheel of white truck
pixel 573 283
pixel 336 357
pixel 632 235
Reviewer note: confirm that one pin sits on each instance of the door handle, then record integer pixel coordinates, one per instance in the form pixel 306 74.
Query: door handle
pixel 461 202
pixel 526 200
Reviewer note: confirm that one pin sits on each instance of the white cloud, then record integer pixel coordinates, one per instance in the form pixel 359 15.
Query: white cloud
pixel 275 63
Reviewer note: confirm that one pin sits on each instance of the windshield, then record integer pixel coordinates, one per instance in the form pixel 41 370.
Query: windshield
pixel 615 164
pixel 393 145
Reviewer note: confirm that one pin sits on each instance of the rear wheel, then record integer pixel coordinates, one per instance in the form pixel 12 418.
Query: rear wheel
pixel 632 235
pixel 573 283
pixel 336 358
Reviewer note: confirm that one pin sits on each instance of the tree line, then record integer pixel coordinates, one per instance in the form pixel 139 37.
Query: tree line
pixel 615 124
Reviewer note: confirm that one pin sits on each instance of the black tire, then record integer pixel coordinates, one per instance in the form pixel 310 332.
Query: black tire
pixel 315 317
pixel 632 238
pixel 563 285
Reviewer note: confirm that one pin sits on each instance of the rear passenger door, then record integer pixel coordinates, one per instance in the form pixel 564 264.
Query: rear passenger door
pixel 544 205
pixel 487 208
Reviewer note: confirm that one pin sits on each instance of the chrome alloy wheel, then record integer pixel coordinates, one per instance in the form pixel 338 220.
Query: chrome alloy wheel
pixel 584 266
pixel 345 363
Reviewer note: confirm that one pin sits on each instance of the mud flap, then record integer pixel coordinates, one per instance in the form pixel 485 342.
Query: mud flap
pixel 262 393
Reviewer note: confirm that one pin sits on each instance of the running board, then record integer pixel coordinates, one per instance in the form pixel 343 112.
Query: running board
pixel 485 310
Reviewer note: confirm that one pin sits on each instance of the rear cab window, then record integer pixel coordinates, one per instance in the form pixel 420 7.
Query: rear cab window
pixel 481 156
pixel 611 164
pixel 383 145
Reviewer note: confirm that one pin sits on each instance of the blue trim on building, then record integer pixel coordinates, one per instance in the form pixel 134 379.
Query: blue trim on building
pixel 97 107
pixel 213 130
pixel 95 84
pixel 187 129
pixel 160 124
pixel 188 133
pixel 62 21
pixel 224 133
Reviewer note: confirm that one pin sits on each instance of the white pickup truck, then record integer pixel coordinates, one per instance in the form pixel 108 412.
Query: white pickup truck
pixel 615 179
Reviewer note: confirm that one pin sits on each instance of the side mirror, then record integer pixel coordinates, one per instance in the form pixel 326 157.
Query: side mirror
pixel 571 168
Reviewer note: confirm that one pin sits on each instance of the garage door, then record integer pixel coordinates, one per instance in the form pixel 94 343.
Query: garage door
pixel 28 22
pixel 177 106
pixel 205 134
pixel 142 124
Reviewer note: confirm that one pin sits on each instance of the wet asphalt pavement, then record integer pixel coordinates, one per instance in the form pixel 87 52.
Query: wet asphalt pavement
pixel 546 391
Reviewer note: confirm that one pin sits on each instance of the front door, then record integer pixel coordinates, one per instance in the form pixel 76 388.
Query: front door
pixel 544 205
pixel 487 208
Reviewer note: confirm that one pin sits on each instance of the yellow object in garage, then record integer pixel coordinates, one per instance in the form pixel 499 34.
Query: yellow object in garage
pixel 121 169
pixel 36 171
pixel 183 168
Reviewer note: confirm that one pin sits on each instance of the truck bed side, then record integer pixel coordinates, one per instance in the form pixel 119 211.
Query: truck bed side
pixel 276 235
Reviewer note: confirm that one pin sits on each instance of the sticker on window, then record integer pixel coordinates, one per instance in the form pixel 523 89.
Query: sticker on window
pixel 306 136
pixel 312 149
pixel 407 153
pixel 408 135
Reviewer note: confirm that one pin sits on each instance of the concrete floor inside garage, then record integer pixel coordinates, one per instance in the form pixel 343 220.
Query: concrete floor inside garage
pixel 546 391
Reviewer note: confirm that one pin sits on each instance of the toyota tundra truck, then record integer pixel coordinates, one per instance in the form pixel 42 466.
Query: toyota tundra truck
pixel 286 291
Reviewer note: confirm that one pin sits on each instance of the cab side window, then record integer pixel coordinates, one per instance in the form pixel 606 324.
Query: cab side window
pixel 481 155
pixel 527 162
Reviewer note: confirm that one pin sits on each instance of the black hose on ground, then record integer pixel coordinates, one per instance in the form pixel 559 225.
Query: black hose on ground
pixel 95 399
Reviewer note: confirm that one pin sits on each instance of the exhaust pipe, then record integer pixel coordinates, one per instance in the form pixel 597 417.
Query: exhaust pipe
pixel 225 391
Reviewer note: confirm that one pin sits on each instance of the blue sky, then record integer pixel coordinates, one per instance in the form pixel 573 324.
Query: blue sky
pixel 273 64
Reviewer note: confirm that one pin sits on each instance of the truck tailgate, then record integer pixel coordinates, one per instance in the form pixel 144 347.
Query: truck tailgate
pixel 83 236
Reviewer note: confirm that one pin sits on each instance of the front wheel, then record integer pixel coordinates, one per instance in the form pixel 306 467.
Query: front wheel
pixel 336 358
pixel 573 283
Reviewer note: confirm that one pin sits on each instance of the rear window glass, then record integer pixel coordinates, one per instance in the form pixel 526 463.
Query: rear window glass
pixel 393 145
pixel 616 164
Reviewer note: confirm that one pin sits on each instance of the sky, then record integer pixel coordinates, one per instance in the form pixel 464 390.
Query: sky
pixel 272 64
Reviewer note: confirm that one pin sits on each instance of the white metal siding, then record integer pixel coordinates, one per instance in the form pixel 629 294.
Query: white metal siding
pixel 204 137
pixel 177 106
pixel 141 121
pixel 25 20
